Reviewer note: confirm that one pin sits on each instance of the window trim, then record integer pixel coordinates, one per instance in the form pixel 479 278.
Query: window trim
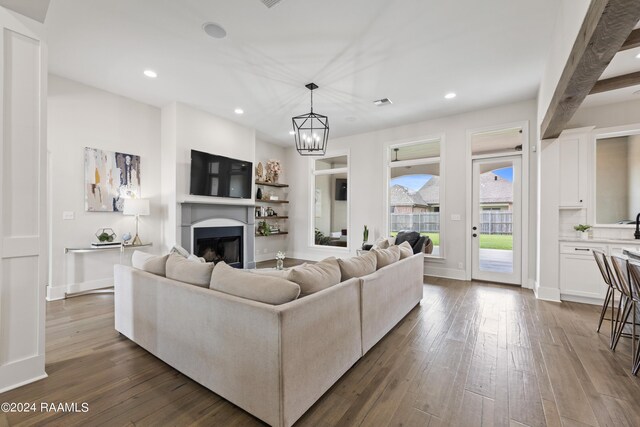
pixel 430 160
pixel 312 191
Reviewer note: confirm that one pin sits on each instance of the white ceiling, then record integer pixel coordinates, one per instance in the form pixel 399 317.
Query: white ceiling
pixel 413 51
pixel 34 9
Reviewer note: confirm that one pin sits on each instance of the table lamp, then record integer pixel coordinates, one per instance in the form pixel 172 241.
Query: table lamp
pixel 136 207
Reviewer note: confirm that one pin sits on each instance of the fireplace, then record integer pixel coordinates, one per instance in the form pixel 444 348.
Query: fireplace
pixel 216 244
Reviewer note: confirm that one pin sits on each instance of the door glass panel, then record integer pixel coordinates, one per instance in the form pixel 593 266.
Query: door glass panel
pixel 495 212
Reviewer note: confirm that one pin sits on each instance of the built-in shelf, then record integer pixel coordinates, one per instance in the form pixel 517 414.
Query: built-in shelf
pixel 272 184
pixel 272 201
pixel 272 217
pixel 273 234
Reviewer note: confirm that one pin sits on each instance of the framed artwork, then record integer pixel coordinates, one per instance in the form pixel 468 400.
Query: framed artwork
pixel 109 178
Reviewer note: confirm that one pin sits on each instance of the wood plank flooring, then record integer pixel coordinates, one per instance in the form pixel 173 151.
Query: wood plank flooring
pixel 471 354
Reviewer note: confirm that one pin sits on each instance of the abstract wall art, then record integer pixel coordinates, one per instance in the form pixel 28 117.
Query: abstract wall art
pixel 110 177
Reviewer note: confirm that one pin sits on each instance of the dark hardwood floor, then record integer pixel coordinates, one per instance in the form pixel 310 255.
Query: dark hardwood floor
pixel 470 354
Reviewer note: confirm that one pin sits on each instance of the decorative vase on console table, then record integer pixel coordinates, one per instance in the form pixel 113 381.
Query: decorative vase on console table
pixel 280 256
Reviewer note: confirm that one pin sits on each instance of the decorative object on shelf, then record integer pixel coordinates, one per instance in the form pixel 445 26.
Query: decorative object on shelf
pixel 259 172
pixel 311 131
pixel 110 178
pixel 273 171
pixel 136 207
pixel 583 231
pixel 106 237
pixel 280 256
pixel 126 237
pixel 365 236
pixel 270 212
pixel 259 194
pixel 264 229
pixel 274 198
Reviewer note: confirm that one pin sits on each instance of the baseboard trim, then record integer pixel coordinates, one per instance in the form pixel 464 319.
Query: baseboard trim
pixel 60 292
pixel 581 299
pixel 545 293
pixel 21 373
pixel 445 273
pixel 56 292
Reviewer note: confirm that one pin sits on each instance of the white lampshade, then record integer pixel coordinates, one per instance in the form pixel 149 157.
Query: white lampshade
pixel 136 207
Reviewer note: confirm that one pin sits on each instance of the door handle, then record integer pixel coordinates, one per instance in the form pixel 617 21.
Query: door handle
pixel 474 228
pixel 582 249
pixel 475 235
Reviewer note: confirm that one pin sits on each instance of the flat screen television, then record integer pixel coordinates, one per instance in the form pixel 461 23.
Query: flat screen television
pixel 220 176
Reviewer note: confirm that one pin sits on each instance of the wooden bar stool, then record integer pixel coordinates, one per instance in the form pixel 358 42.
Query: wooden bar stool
pixel 634 275
pixel 626 303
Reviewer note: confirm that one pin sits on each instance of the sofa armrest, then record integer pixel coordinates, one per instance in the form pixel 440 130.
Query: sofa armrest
pixel 321 339
pixel 228 344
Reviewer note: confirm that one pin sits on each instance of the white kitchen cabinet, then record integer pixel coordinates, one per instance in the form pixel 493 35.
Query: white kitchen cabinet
pixel 579 273
pixel 574 154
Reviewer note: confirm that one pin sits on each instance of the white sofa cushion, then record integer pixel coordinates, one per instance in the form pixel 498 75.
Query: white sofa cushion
pixel 316 277
pixel 154 264
pixel 195 273
pixel 405 250
pixel 262 288
pixel 386 257
pixel 357 266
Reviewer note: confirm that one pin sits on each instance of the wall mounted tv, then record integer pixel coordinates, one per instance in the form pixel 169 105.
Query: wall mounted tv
pixel 220 176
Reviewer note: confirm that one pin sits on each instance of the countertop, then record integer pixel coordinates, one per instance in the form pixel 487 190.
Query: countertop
pixel 633 242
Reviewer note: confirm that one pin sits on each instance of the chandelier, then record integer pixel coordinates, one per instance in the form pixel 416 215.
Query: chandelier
pixel 311 130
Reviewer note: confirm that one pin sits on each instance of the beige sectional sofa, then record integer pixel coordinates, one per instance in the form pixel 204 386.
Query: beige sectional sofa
pixel 274 361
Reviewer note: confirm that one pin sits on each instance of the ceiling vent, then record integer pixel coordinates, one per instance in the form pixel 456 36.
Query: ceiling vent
pixel 382 102
pixel 270 3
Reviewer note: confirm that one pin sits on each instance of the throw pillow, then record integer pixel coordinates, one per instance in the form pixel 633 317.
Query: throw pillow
pixel 181 269
pixel 316 277
pixel 405 250
pixel 386 257
pixel 179 250
pixel 358 266
pixel 154 264
pixel 381 243
pixel 261 288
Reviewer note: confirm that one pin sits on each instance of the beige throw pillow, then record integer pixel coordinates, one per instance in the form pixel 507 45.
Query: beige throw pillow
pixel 381 243
pixel 154 264
pixel 358 266
pixel 261 288
pixel 405 250
pixel 316 277
pixel 195 273
pixel 386 257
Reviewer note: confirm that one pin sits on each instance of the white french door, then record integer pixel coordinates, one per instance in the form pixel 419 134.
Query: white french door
pixel 497 220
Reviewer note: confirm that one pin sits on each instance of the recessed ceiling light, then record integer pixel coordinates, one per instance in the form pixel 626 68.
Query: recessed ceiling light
pixel 151 74
pixel 214 30
pixel 238 111
pixel 292 132
pixel 450 95
pixel 638 56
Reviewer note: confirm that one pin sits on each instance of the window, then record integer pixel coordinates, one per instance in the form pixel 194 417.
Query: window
pixel 415 184
pixel 330 198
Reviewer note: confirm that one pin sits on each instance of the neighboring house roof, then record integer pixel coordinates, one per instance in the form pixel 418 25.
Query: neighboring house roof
pixel 493 189
pixel 401 196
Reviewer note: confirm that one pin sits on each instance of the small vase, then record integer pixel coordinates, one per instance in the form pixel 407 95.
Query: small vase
pixel 279 264
pixel 275 178
pixel 259 194
pixel 584 235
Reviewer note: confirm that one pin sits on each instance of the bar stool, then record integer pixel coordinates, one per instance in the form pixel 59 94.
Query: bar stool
pixel 612 287
pixel 626 303
pixel 634 275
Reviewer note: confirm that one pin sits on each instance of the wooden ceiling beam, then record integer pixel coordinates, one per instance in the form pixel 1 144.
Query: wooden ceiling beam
pixel 632 41
pixel 618 82
pixel 606 27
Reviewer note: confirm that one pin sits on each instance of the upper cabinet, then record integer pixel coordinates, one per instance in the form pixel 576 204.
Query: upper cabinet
pixel 574 161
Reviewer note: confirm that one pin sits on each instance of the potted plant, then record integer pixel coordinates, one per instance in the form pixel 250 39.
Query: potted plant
pixel 280 256
pixel 583 231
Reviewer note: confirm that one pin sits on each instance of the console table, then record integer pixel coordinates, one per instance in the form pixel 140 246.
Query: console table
pixel 94 249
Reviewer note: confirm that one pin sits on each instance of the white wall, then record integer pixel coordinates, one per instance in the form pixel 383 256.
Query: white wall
pixel 81 116
pixel 185 128
pixel 267 247
pixel 367 183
